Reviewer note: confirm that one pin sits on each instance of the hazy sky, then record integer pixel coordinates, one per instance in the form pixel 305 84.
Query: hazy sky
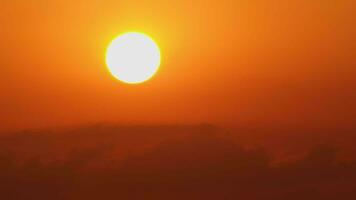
pixel 224 62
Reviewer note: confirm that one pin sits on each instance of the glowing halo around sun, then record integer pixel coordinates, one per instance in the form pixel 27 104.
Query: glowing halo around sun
pixel 133 57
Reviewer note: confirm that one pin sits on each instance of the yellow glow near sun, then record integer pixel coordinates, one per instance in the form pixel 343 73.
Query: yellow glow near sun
pixel 133 57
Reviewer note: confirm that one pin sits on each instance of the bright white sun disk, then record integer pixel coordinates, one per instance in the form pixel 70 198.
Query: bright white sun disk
pixel 133 57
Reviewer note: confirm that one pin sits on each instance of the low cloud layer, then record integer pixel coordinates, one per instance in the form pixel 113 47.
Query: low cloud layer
pixel 163 162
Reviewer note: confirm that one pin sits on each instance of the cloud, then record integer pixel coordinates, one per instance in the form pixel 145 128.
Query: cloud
pixel 162 162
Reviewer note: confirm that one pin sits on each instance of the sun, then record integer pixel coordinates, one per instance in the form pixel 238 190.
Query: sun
pixel 133 57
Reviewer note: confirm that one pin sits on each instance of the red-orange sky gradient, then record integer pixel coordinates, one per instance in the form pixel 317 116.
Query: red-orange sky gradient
pixel 223 62
pixel 254 100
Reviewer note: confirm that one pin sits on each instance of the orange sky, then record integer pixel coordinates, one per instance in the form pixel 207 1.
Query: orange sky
pixel 224 62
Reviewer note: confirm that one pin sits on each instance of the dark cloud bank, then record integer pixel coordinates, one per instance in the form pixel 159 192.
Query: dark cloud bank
pixel 164 162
